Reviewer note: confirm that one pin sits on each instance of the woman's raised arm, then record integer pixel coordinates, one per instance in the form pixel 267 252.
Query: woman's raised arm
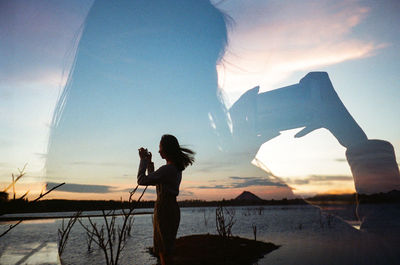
pixel 153 177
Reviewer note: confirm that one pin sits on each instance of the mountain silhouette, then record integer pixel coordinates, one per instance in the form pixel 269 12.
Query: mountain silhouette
pixel 247 196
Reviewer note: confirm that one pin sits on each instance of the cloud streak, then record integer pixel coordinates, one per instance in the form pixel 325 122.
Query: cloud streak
pixel 105 164
pixel 318 180
pixel 212 166
pixel 91 188
pixel 243 182
pixel 138 191
pixel 82 188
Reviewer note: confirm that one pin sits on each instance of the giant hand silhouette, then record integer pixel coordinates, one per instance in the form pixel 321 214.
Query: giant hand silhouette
pixel 312 103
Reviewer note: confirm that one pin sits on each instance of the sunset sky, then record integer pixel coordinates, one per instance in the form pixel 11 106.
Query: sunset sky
pixel 271 44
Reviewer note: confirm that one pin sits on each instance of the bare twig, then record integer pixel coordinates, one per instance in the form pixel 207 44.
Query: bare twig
pixel 13 185
pixel 254 226
pixel 113 240
pixel 205 218
pixel 224 223
pixel 109 231
pixel 21 173
pixel 63 233
pixel 23 196
pixel 122 231
pixel 11 227
pixel 14 180
pixel 42 195
pixel 90 232
pixel 89 240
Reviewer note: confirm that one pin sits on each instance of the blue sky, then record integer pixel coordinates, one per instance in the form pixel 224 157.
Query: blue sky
pixel 271 44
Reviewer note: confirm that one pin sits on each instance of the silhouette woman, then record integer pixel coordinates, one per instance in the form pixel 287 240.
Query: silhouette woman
pixel 167 180
pixel 135 60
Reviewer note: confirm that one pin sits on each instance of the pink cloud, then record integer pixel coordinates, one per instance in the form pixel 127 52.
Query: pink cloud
pixel 271 40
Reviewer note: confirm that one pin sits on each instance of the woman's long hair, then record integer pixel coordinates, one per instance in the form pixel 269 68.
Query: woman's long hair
pixel 180 156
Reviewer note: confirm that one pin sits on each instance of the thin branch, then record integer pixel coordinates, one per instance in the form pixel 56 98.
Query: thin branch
pixel 120 234
pixel 13 186
pixel 21 173
pixel 109 241
pixel 106 239
pixel 11 227
pixel 133 192
pixel 23 196
pixel 63 234
pixel 99 235
pixel 38 198
pixel 92 233
pixel 42 195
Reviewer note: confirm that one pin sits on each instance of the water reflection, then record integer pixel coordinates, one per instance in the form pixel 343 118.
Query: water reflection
pixel 32 254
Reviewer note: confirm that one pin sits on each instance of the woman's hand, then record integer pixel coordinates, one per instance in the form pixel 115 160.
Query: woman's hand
pixel 143 153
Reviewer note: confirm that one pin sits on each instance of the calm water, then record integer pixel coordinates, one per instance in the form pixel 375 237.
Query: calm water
pixel 305 235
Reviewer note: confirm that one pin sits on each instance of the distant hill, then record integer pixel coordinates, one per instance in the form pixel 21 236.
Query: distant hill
pixel 248 196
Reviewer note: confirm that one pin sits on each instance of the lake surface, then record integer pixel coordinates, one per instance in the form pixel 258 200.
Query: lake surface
pixel 306 236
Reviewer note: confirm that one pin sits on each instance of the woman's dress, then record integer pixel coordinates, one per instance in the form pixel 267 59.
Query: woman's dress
pixel 166 210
